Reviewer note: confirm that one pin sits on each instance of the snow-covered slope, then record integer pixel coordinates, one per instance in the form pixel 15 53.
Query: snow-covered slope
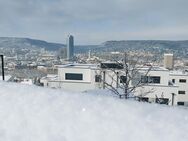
pixel 29 113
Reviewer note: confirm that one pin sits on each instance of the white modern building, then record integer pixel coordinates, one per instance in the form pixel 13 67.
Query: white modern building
pixel 73 78
pixel 160 84
pixel 158 87
pixel 180 78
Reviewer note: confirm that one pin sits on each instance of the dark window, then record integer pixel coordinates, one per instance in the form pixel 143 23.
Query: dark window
pixel 181 92
pixel 112 65
pixel 173 80
pixel 143 99
pixel 182 80
pixel 170 83
pixel 162 100
pixel 123 79
pixel 150 79
pixel 154 79
pixel 180 103
pixel 73 76
pixel 98 78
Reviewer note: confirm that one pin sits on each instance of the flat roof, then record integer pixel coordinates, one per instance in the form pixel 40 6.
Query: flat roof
pixel 95 66
pixel 168 54
pixel 154 68
pixel 85 66
pixel 179 72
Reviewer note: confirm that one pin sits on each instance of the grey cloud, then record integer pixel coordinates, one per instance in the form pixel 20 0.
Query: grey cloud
pixel 49 19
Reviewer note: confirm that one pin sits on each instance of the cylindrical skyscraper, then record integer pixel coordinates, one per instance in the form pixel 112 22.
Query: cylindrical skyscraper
pixel 70 47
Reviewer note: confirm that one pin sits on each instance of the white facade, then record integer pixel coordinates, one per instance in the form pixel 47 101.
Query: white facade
pixel 161 90
pixel 77 77
pixel 83 83
pixel 180 79
pixel 85 74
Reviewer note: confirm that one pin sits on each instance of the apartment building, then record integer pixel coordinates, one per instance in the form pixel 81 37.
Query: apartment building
pixel 73 77
pixel 159 84
pixel 180 79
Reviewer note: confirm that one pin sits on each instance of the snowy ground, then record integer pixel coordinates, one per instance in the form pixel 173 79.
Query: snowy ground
pixel 29 113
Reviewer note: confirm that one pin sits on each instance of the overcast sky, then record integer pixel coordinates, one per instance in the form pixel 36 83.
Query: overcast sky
pixel 94 21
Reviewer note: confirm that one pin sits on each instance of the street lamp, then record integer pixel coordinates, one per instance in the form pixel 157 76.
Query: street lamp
pixel 2 65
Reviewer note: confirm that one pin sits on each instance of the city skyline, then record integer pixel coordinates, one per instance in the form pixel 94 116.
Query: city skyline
pixel 93 22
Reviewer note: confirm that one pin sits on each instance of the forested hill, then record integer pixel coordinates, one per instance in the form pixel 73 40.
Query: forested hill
pixel 161 46
pixel 147 44
pixel 12 42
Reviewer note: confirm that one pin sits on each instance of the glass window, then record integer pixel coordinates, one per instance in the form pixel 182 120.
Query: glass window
pixel 112 65
pixel 181 92
pixel 123 79
pixel 173 80
pixel 150 79
pixel 180 103
pixel 73 76
pixel 182 80
pixel 153 79
pixel 98 78
pixel 162 100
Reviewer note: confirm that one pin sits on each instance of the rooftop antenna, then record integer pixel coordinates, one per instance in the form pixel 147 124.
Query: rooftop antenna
pixel 2 65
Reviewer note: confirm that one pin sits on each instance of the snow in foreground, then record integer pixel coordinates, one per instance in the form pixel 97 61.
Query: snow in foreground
pixel 29 113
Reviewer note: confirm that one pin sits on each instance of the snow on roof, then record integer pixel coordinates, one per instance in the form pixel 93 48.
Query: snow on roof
pixel 168 54
pixel 179 72
pixel 36 114
pixel 50 77
pixel 153 68
pixel 78 66
pixel 94 66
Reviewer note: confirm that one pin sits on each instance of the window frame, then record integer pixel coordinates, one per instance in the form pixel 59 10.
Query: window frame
pixel 181 92
pixel 123 79
pixel 182 80
pixel 98 78
pixel 151 79
pixel 180 103
pixel 75 76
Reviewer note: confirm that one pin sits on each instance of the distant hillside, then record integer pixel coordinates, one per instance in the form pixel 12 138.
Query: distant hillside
pixel 179 48
pixel 136 44
pixel 159 46
pixel 11 42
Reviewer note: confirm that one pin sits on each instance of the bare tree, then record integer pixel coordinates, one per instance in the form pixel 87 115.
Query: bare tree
pixel 124 76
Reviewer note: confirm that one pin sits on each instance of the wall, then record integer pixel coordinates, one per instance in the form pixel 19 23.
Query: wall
pixel 181 86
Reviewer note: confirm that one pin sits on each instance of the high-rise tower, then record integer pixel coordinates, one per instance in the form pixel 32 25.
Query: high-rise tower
pixel 70 47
